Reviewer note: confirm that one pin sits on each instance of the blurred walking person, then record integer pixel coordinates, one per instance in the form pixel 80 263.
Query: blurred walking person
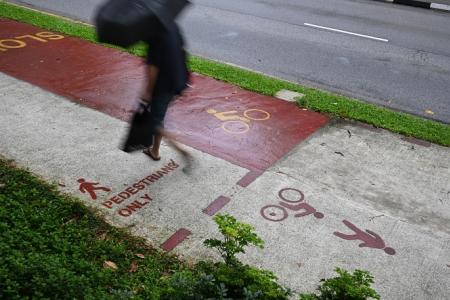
pixel 126 22
pixel 166 77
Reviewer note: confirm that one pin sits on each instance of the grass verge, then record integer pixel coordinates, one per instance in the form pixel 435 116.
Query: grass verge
pixel 53 247
pixel 317 100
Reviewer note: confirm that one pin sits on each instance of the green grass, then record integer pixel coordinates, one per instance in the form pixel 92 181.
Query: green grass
pixel 53 247
pixel 317 100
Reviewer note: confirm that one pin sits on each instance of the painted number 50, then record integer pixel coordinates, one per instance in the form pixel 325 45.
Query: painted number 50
pixel 20 41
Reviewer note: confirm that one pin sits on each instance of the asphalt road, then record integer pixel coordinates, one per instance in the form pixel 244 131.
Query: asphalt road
pixel 395 56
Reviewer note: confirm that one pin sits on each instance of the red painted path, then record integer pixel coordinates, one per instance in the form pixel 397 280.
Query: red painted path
pixel 242 127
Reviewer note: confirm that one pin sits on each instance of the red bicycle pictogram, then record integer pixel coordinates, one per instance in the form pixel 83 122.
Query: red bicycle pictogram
pixel 278 213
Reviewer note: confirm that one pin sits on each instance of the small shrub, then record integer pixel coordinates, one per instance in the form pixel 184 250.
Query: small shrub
pixel 346 286
pixel 221 281
pixel 229 279
pixel 237 236
pixel 191 284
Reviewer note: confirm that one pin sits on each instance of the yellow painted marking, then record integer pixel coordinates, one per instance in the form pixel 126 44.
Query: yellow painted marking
pixel 231 117
pixel 245 129
pixel 246 114
pixel 49 35
pixel 31 37
pixel 19 44
pixel 227 115
pixel 15 43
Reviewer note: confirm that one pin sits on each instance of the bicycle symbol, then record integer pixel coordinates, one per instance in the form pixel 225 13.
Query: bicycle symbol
pixel 236 124
pixel 278 213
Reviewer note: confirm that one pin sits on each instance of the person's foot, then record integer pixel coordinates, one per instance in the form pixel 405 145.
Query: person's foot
pixel 188 160
pixel 151 153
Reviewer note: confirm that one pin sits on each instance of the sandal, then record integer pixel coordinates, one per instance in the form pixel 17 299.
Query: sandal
pixel 149 154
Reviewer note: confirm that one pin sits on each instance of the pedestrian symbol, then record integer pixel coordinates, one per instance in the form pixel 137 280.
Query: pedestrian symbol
pixel 91 187
pixel 368 238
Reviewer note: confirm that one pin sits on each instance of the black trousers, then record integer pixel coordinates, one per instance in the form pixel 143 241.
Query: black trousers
pixel 158 109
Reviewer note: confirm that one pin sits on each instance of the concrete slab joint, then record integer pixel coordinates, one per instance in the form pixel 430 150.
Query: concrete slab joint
pixel 288 95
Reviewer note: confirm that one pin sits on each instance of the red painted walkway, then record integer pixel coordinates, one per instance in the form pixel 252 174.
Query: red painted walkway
pixel 244 128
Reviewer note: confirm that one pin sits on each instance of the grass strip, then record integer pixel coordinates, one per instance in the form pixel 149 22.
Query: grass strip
pixel 53 247
pixel 317 100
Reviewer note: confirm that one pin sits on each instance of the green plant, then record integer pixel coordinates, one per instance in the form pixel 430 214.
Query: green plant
pixel 246 282
pixel 230 279
pixel 208 280
pixel 191 284
pixel 236 237
pixel 346 286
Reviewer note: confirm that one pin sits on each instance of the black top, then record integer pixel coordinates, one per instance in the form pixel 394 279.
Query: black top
pixel 166 51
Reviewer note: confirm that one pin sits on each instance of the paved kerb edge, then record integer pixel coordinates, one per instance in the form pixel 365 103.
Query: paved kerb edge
pixel 421 4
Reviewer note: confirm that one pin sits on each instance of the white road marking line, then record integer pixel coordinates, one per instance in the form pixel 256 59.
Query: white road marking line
pixel 347 32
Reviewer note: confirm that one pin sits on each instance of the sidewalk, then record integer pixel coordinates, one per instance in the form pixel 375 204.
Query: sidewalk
pixel 320 192
pixel 446 2
pixel 443 5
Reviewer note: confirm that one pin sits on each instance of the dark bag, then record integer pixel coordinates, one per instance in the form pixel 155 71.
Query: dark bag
pixel 140 134
pixel 126 22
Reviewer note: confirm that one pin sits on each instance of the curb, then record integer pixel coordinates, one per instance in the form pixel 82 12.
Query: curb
pixel 421 4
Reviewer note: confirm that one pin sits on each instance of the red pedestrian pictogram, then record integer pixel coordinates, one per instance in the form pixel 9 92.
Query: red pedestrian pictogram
pixel 90 187
pixel 369 238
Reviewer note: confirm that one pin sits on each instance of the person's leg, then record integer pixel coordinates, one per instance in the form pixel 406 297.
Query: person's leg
pixel 169 138
pixel 154 149
pixel 159 107
pixel 187 157
pixel 160 103
pixel 151 73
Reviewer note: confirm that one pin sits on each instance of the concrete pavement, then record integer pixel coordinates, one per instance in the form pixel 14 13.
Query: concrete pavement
pixel 343 194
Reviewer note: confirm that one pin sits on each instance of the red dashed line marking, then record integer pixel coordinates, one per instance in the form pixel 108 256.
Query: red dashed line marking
pixel 249 178
pixel 216 205
pixel 176 239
